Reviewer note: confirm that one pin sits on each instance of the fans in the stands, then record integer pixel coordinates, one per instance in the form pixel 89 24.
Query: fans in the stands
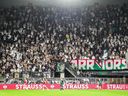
pixel 33 39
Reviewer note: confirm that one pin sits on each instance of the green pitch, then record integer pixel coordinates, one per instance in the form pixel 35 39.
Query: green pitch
pixel 63 93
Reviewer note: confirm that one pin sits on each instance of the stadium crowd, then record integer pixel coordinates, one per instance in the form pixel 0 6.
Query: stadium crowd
pixel 34 38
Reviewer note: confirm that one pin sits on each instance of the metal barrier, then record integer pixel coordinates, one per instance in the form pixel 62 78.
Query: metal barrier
pixel 82 80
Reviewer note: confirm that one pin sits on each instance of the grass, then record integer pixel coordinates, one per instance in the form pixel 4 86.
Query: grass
pixel 63 93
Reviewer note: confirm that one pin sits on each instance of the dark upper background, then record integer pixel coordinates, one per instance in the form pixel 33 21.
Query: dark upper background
pixel 7 3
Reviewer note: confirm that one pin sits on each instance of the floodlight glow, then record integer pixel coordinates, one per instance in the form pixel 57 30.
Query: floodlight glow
pixel 68 2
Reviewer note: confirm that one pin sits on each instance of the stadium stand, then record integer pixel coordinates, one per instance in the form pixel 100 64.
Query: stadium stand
pixel 34 38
